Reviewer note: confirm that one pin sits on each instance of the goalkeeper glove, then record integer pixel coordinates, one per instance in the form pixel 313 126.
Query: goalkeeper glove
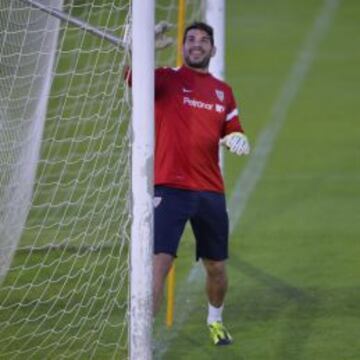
pixel 161 39
pixel 237 143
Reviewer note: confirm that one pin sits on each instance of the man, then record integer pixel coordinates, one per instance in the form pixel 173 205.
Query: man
pixel 193 112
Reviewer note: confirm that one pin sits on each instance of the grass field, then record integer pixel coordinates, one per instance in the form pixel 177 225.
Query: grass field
pixel 294 267
pixel 294 205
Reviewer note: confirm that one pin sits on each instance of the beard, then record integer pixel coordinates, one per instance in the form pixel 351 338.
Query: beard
pixel 197 64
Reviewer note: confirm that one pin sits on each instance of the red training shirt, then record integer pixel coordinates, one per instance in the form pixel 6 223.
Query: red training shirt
pixel 193 111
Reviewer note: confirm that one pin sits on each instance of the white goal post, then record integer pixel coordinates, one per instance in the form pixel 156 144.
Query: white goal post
pixel 215 13
pixel 142 179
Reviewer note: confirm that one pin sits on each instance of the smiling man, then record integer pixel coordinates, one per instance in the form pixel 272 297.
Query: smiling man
pixel 194 112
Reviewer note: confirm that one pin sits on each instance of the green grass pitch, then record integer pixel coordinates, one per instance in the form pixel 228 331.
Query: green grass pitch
pixel 294 266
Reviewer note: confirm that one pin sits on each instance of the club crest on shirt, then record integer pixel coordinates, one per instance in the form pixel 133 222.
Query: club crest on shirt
pixel 219 94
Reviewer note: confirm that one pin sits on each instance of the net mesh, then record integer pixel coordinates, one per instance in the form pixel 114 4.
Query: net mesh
pixel 64 181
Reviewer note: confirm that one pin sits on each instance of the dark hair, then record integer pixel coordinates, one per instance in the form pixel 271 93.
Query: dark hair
pixel 198 25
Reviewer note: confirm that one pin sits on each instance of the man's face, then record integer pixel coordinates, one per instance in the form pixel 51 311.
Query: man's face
pixel 197 49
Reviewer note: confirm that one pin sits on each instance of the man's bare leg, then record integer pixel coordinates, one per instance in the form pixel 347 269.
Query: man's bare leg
pixel 216 281
pixel 216 288
pixel 162 264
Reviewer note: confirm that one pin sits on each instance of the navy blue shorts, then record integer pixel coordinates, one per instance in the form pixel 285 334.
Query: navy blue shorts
pixel 207 214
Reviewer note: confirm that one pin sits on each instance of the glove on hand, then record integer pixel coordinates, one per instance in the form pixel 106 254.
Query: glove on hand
pixel 161 40
pixel 237 143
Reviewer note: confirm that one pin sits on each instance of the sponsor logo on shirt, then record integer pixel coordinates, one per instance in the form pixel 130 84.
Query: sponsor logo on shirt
pixel 197 104
pixel 219 108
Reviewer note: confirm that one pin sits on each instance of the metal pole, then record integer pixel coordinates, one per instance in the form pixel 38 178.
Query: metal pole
pixel 78 23
pixel 142 179
pixel 215 16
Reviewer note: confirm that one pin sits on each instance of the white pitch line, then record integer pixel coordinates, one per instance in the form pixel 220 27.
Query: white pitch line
pixel 257 162
pixel 253 170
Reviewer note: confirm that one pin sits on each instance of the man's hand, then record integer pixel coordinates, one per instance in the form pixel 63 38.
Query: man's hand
pixel 161 39
pixel 237 143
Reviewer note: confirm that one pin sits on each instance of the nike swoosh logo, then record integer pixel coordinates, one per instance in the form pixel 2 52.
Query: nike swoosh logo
pixel 186 90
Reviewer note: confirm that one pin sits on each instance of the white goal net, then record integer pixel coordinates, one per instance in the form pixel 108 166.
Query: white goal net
pixel 64 181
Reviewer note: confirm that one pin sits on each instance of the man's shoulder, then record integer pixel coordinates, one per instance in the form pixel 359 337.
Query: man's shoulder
pixel 220 83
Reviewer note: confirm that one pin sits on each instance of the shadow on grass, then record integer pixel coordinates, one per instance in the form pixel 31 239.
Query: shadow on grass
pixel 271 300
pixel 270 319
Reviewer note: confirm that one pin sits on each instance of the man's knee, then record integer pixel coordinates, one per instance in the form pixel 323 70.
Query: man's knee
pixel 215 269
pixel 162 264
pixel 161 267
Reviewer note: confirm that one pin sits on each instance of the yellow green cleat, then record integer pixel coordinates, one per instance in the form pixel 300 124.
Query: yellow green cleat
pixel 219 334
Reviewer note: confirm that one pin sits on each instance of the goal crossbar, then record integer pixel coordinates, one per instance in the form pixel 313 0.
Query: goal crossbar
pixel 79 23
